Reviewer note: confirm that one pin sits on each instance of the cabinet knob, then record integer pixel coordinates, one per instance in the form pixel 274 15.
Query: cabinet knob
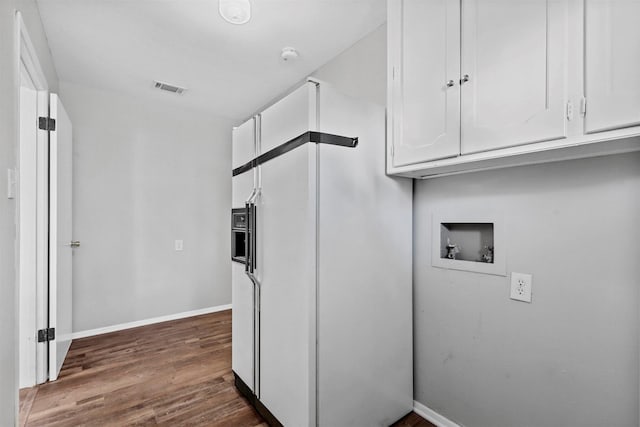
pixel 464 79
pixel 450 83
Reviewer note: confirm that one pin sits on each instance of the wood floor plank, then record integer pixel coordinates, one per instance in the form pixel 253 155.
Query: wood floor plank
pixel 174 373
pixel 413 420
pixel 27 397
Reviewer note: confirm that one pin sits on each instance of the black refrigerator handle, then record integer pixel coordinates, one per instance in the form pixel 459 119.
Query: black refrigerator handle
pixel 253 236
pixel 247 237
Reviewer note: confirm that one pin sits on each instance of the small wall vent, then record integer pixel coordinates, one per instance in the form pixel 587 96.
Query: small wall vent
pixel 169 88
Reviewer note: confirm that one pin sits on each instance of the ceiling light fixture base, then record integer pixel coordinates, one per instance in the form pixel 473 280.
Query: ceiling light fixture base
pixel 236 12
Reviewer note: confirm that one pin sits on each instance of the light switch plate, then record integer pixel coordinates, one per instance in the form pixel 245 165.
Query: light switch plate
pixel 179 245
pixel 11 183
pixel 521 287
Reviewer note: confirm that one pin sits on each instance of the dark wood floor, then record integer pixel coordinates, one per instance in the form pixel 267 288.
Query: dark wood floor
pixel 174 374
pixel 413 420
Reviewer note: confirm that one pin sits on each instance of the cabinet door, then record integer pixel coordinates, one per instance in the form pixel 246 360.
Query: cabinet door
pixel 514 54
pixel 612 64
pixel 424 55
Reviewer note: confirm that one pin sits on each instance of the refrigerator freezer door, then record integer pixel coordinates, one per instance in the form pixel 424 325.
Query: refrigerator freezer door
pixel 243 321
pixel 242 298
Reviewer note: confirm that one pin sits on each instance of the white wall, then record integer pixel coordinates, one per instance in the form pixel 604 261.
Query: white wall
pixel 9 83
pixel 361 70
pixel 8 302
pixel 31 17
pixel 570 358
pixel 146 174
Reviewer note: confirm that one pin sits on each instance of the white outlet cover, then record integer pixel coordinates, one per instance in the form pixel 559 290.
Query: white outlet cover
pixel 11 183
pixel 521 287
pixel 179 245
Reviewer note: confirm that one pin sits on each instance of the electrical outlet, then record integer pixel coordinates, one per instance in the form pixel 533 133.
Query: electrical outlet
pixel 179 245
pixel 521 287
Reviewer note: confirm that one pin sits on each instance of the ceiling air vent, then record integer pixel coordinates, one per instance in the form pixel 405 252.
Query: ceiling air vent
pixel 169 88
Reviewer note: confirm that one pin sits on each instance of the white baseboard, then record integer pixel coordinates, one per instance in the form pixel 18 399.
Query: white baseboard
pixel 137 323
pixel 432 416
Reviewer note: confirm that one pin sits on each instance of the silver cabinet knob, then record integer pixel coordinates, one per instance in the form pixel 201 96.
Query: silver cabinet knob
pixel 464 79
pixel 450 83
pixel 74 244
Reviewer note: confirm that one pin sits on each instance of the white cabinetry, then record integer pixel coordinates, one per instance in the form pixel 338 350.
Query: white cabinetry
pixel 612 64
pixel 513 82
pixel 510 88
pixel 479 84
pixel 424 92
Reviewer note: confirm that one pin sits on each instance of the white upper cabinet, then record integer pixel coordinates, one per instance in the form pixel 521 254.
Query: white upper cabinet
pixel 424 70
pixel 514 62
pixel 468 76
pixel 612 64
pixel 483 84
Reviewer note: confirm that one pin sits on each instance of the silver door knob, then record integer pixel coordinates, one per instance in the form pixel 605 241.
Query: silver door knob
pixel 450 83
pixel 464 79
pixel 74 244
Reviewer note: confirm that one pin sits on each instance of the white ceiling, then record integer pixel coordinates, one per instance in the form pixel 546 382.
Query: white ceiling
pixel 229 70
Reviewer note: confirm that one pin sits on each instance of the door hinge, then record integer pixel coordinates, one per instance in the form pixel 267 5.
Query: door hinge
pixel 45 335
pixel 569 110
pixel 583 106
pixel 46 123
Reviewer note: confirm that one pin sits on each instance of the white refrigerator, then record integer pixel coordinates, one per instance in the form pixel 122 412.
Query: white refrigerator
pixel 322 298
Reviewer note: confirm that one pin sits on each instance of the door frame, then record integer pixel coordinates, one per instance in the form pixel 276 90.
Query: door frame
pixel 26 183
pixel 27 57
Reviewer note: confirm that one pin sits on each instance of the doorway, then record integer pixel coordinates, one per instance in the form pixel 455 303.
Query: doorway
pixel 44 222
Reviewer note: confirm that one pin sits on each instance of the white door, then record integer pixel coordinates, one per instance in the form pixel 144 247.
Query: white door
pixel 424 50
pixel 60 237
pixel 514 63
pixel 612 64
